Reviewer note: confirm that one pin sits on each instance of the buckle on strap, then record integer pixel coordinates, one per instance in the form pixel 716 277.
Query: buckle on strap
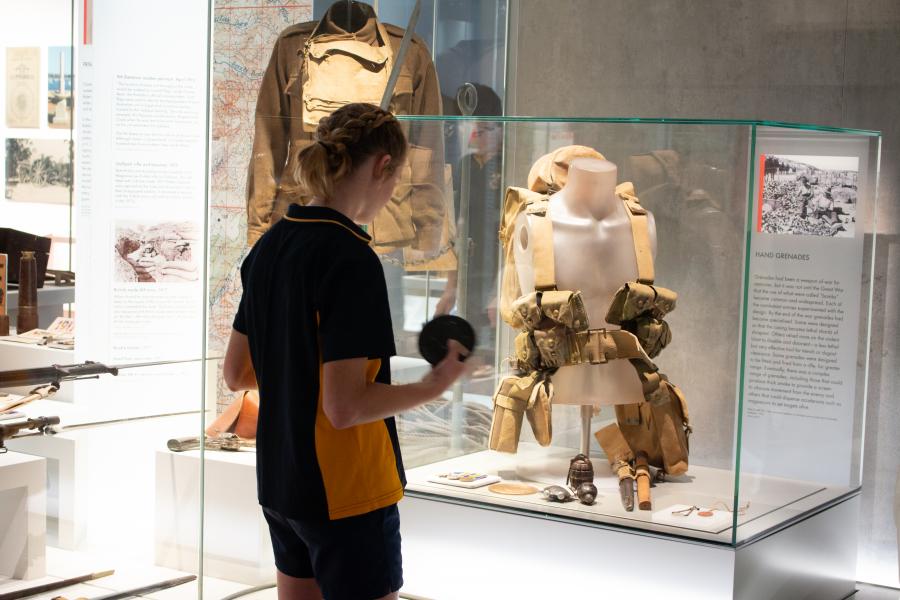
pixel 594 346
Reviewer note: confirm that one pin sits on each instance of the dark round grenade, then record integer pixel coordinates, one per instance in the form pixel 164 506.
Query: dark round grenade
pixel 581 470
pixel 586 493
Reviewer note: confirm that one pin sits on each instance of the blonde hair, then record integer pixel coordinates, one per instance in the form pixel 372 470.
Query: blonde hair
pixel 345 139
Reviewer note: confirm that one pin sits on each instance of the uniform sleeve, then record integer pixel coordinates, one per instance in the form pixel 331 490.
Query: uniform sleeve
pixel 426 157
pixel 270 145
pixel 354 315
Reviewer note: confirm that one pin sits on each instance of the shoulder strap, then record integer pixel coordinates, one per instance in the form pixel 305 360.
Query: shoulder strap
pixel 534 204
pixel 542 247
pixel 640 231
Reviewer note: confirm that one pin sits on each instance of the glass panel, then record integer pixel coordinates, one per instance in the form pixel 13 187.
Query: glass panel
pixel 693 180
pixel 104 492
pixel 809 292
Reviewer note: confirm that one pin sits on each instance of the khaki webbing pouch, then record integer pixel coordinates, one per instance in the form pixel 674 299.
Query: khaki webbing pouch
pixel 516 396
pixel 640 308
pixel 659 427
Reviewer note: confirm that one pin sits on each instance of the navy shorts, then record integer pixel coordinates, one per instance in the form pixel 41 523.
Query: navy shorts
pixel 356 558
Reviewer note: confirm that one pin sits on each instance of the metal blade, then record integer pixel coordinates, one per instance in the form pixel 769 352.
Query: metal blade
pixel 626 490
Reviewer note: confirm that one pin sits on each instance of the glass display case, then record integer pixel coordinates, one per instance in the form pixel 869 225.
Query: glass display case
pixel 765 232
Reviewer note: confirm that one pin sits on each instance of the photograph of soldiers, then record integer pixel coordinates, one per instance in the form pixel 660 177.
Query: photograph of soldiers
pixel 156 253
pixel 38 170
pixel 809 195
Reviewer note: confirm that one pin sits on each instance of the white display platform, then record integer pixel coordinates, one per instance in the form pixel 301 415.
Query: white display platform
pixel 457 551
pixel 772 500
pixel 101 478
pixel 22 509
pixel 236 542
pixel 15 355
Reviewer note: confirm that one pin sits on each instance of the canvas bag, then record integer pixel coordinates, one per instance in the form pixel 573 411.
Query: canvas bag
pixel 338 71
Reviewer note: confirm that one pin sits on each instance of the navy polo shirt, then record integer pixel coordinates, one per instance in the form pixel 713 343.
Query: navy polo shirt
pixel 314 292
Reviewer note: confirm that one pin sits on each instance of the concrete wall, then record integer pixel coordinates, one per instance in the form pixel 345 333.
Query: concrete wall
pixel 830 62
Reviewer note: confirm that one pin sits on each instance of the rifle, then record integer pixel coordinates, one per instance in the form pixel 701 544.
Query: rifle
pixel 41 424
pixel 141 591
pixel 56 374
pixel 228 442
pixel 53 585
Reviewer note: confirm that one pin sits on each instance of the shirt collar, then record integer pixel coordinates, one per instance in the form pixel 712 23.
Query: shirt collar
pixel 325 214
pixel 335 20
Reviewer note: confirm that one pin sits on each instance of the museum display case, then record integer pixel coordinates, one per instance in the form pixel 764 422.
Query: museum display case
pixel 768 340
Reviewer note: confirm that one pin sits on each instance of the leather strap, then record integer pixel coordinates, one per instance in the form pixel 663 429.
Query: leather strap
pixel 640 232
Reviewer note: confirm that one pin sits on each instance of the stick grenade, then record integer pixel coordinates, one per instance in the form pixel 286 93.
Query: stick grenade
pixel 642 475
pixel 4 318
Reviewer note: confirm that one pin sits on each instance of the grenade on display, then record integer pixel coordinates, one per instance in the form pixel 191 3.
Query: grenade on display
pixel 586 493
pixel 581 470
pixel 28 305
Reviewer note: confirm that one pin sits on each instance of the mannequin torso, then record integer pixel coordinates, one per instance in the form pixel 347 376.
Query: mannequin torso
pixel 594 253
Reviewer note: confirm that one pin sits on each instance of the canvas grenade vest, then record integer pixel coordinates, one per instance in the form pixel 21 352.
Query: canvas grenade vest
pixel 339 71
pixel 554 332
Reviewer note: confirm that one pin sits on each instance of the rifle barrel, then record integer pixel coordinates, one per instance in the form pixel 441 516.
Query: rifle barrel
pixel 147 589
pixel 53 585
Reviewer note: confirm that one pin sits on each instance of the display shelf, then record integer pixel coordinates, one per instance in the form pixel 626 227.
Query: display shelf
pixel 776 501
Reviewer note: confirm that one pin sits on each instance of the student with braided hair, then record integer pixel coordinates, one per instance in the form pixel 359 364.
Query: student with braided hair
pixel 313 333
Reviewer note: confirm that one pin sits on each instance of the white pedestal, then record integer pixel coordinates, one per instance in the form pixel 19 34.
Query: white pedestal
pixel 236 545
pixel 14 355
pixel 459 551
pixel 100 478
pixel 22 516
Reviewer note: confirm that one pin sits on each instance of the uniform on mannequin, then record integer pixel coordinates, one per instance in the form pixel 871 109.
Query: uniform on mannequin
pixel 594 253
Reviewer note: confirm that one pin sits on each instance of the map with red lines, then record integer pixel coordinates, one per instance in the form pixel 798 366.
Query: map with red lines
pixel 243 35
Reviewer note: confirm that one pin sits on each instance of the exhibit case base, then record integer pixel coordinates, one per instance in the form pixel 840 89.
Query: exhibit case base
pixel 459 550
pixel 23 500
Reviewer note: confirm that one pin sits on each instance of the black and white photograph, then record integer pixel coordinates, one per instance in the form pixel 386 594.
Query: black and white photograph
pixel 38 170
pixel 809 195
pixel 156 252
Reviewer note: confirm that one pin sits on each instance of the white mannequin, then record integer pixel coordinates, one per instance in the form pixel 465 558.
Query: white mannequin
pixel 593 251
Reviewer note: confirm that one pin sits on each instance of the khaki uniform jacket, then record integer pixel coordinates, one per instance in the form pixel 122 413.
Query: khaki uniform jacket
pixel 415 215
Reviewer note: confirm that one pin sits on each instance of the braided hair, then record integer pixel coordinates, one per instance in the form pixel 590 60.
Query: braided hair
pixel 345 139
